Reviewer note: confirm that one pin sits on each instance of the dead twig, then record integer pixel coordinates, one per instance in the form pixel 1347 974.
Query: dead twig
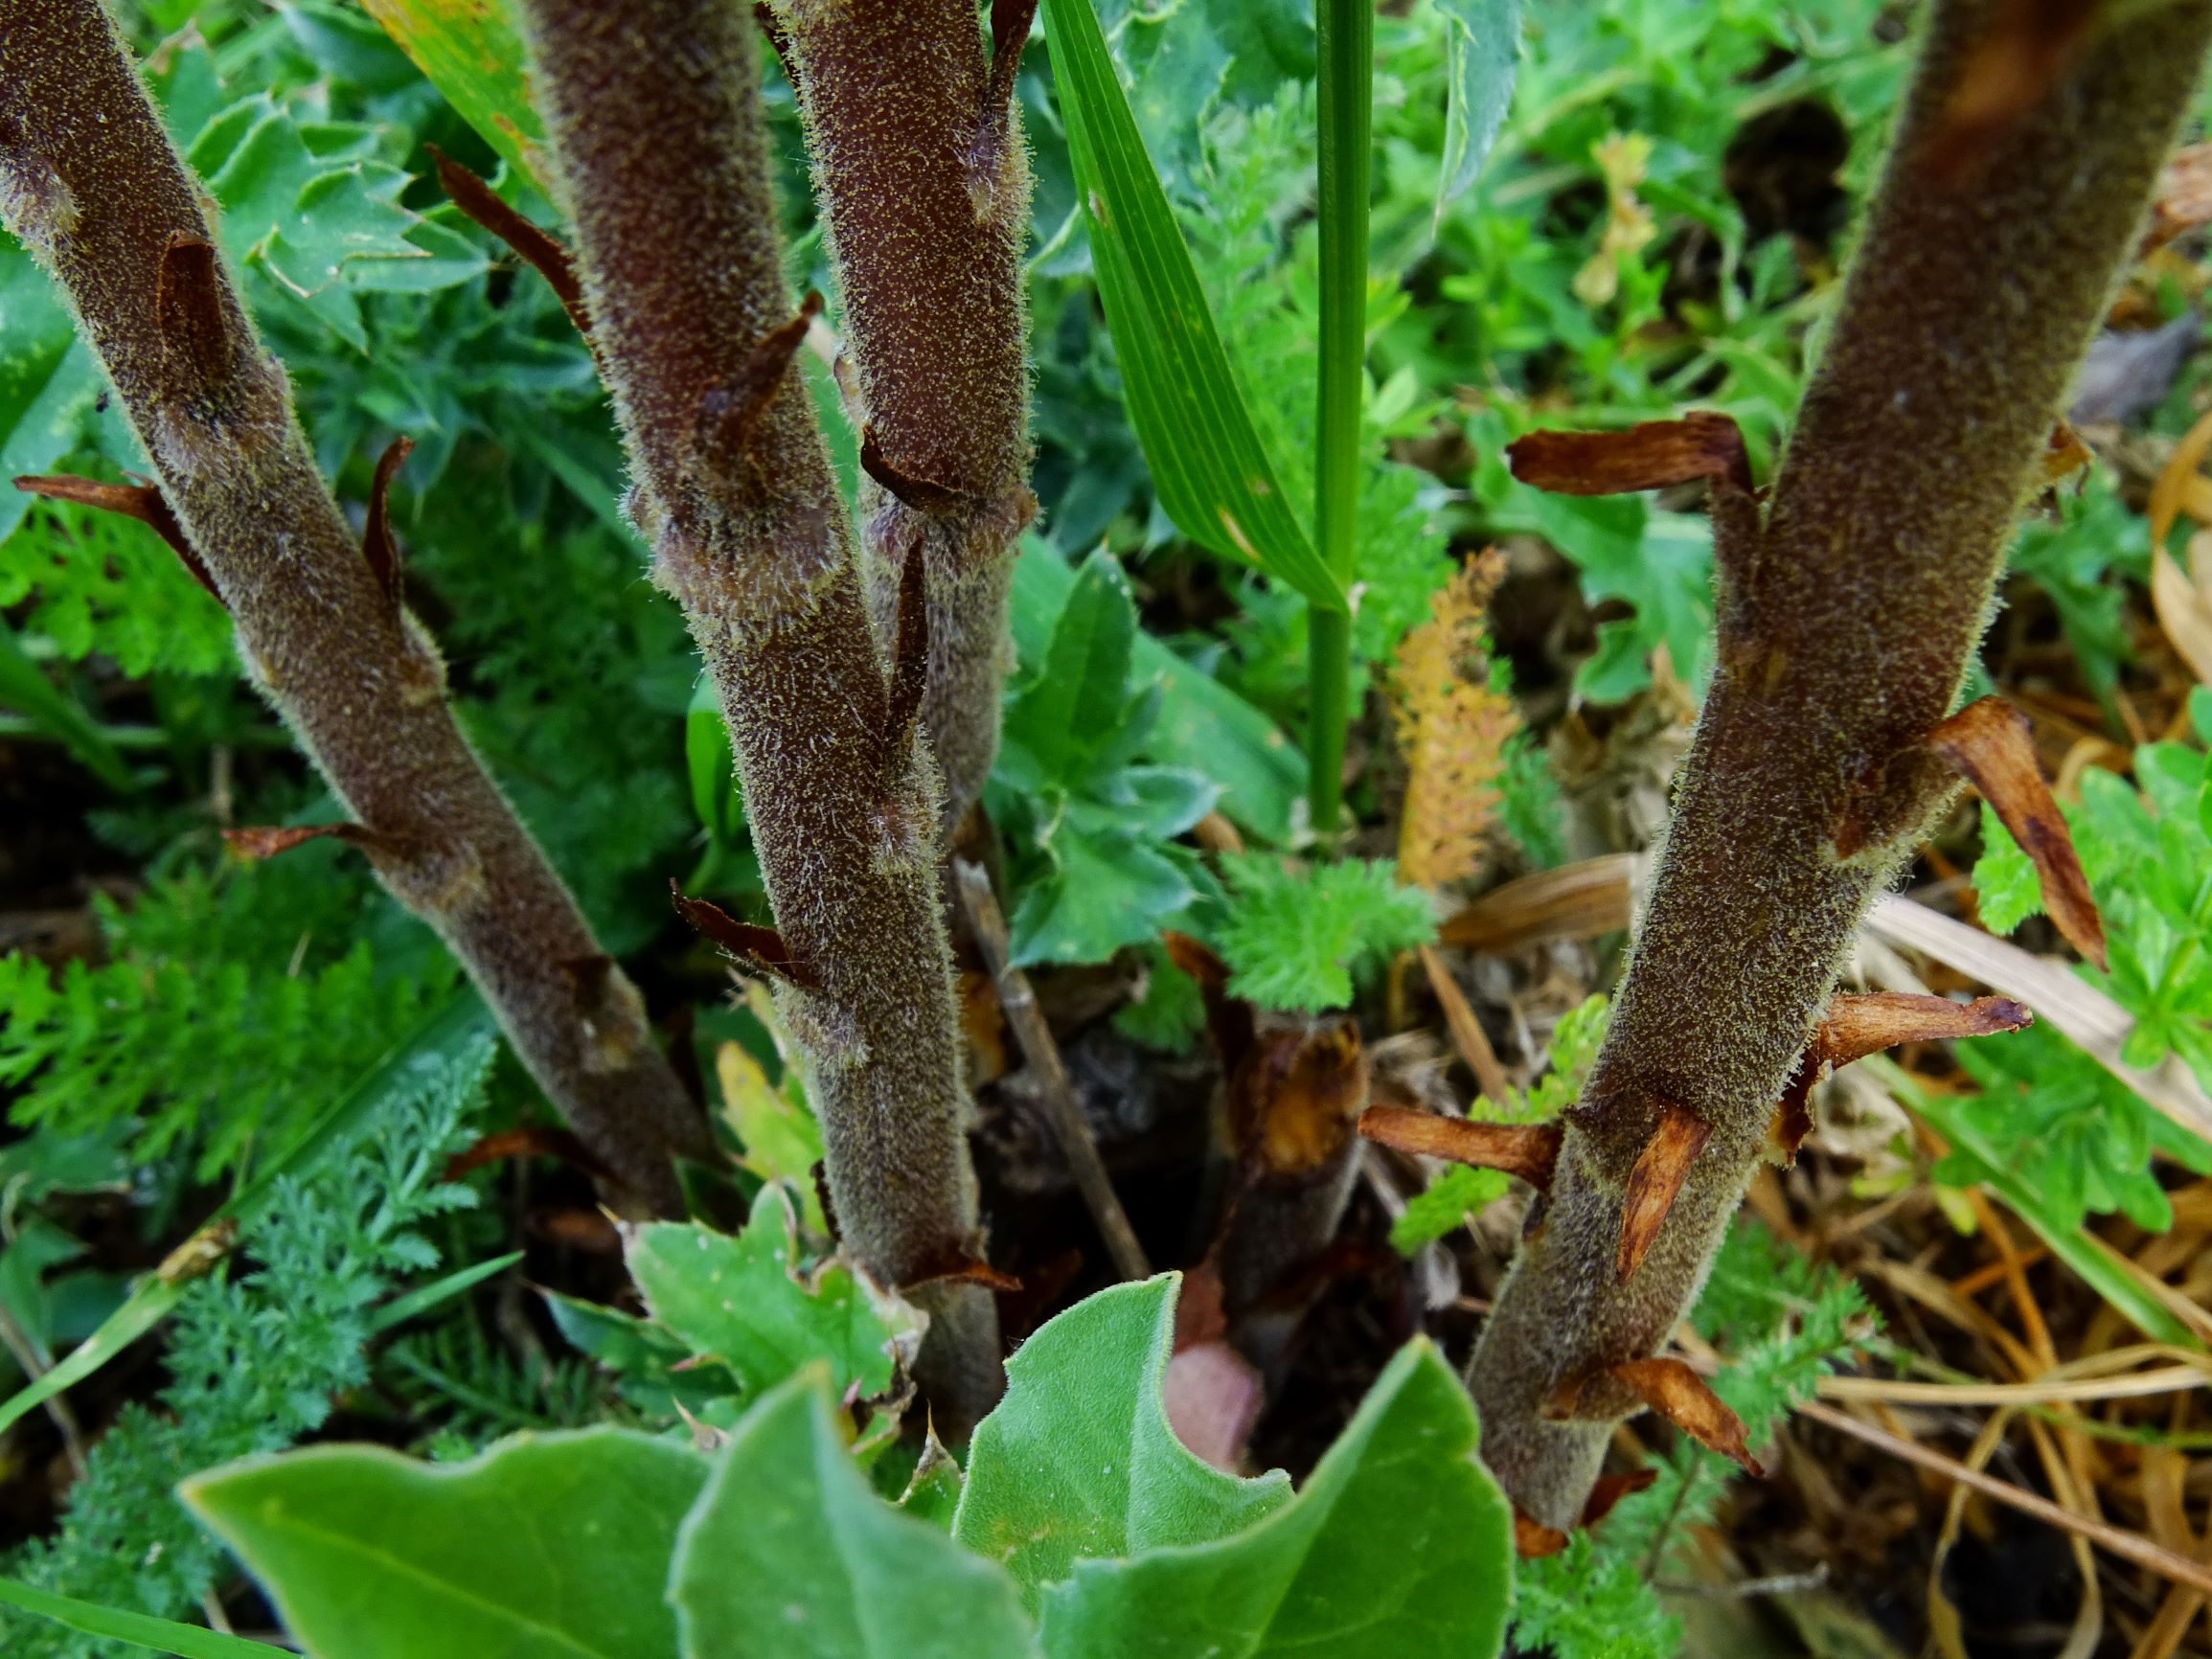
pixel 1038 1047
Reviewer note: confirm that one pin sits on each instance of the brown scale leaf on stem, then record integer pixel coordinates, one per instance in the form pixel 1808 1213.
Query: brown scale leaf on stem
pixel 1528 1150
pixel 377 543
pixel 923 494
pixel 1670 1386
pixel 2011 69
pixel 910 665
pixel 1654 1182
pixel 198 344
pixel 962 1267
pixel 268 841
pixel 730 415
pixel 1854 1027
pixel 757 946
pixel 1653 455
pixel 540 252
pixel 1532 1539
pixel 1987 742
pixel 1611 1489
pixel 143 502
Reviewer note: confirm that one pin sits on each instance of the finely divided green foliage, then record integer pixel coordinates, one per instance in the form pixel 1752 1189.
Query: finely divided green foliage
pixel 100 194
pixel 1088 827
pixel 1400 1543
pixel 1079 1461
pixel 749 1304
pixel 546 1546
pixel 1295 939
pixel 229 1000
pixel 255 1360
pixel 1809 782
pixel 790 1555
pixel 1783 1324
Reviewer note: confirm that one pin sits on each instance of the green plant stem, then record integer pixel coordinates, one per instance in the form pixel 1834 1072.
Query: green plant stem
pixel 1346 55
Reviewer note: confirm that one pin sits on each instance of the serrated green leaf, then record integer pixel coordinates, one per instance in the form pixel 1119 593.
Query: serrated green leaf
pixel 790 1555
pixel 49 380
pixel 1079 1461
pixel 1481 48
pixel 741 1301
pixel 1203 725
pixel 1400 1543
pixel 1108 891
pixel 1448 1200
pixel 471 51
pixel 1214 478
pixel 2005 884
pixel 316 216
pixel 546 1546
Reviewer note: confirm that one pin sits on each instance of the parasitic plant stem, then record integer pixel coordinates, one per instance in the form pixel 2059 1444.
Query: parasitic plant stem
pixel 92 184
pixel 654 112
pixel 1848 612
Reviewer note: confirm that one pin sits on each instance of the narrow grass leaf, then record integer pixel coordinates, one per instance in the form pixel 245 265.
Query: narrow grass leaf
pixel 1214 478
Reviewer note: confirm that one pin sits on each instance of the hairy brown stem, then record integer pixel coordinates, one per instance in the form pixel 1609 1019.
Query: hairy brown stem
pixel 1847 619
pixel 653 109
pixel 924 179
pixel 91 183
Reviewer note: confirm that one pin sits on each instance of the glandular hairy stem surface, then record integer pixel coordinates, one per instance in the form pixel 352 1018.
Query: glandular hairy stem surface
pixel 91 183
pixel 1850 604
pixel 654 114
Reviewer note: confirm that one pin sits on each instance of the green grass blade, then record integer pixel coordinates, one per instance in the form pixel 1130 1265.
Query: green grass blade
pixel 25 688
pixel 401 1308
pixel 1214 477
pixel 440 1037
pixel 161 1635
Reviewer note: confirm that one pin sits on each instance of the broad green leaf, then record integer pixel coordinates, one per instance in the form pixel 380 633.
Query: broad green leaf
pixel 1214 478
pixel 1108 891
pixel 1201 726
pixel 1481 47
pixel 115 1625
pixel 313 212
pixel 743 1302
pixel 1076 717
pixel 48 378
pixel 781 1139
pixel 1079 1461
pixel 1400 1544
pixel 434 1046
pixel 791 1554
pixel 546 1546
pixel 471 51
